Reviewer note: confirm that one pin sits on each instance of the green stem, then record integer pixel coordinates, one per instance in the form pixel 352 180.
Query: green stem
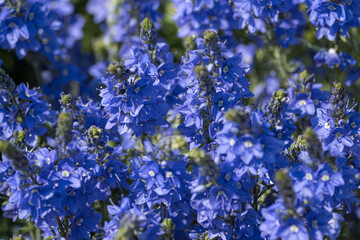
pixel 280 63
pixel 31 230
pixel 61 228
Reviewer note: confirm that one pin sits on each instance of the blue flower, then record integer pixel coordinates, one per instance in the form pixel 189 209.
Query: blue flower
pixel 346 60
pixel 151 175
pixel 248 148
pixel 84 223
pixel 302 105
pixel 13 29
pixel 323 123
pixel 293 229
pixel 247 224
pixel 337 140
pixel 233 69
pixel 328 179
pixel 318 222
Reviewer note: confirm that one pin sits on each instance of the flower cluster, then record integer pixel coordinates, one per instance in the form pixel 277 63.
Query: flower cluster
pixel 185 144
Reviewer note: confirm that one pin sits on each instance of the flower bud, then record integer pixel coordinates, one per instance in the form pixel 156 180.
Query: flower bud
pixel 94 134
pixel 276 105
pixel 211 39
pixel 66 100
pixel 284 185
pixel 204 161
pixel 313 144
pixel 19 137
pixel 6 83
pixel 18 160
pixel 65 122
pixel 296 147
pixel 18 237
pixel 64 126
pixel 148 34
pixel 129 227
pixel 204 78
pixel 189 43
pixel 339 100
pixel 240 116
pixel 168 227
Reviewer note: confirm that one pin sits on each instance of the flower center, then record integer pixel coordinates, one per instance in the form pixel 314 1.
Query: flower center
pixel 325 178
pixel 248 144
pixel 308 177
pixel 331 7
pixel 232 142
pixel 151 173
pixel 31 16
pixel 332 51
pixel 80 222
pixel 294 228
pixel 338 135
pixel 220 103
pixel 227 177
pixel 168 174
pixel 314 224
pixel 327 125
pixel 302 103
pixel 65 173
pixel 12 25
pixel 100 179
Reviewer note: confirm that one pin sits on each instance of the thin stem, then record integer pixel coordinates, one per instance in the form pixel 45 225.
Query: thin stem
pixel 61 228
pixel 163 208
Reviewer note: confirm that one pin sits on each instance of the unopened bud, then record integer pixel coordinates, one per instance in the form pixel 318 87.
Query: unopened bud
pixel 211 39
pixel 66 99
pixel 65 122
pixel 189 43
pixel 284 185
pixel 240 116
pixel 148 33
pixel 313 144
pixel 18 160
pixel 204 78
pixel 19 137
